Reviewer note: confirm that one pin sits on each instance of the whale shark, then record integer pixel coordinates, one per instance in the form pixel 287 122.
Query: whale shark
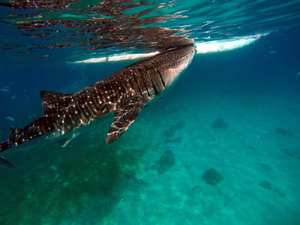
pixel 123 93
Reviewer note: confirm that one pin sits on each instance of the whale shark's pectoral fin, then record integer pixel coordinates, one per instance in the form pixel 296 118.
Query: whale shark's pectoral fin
pixel 124 117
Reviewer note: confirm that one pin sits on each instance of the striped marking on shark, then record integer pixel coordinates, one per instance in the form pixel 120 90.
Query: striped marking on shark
pixel 124 93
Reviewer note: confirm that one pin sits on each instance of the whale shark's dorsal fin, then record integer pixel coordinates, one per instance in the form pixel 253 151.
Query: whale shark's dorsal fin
pixel 52 100
pixel 124 116
pixel 52 96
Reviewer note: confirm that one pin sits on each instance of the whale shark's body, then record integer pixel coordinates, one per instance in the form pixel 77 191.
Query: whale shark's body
pixel 124 93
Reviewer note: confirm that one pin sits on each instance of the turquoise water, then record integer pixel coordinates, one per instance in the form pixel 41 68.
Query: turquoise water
pixel 237 112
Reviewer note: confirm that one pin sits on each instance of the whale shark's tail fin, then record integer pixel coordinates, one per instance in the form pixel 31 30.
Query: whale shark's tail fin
pixel 37 128
pixel 52 103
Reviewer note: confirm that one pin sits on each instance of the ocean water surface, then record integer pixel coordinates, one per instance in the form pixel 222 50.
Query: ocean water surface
pixel 222 146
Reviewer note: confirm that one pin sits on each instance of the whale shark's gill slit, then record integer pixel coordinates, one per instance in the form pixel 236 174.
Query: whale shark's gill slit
pixel 154 88
pixel 131 84
pixel 137 84
pixel 88 112
pixel 144 82
pixel 162 80
pixel 99 100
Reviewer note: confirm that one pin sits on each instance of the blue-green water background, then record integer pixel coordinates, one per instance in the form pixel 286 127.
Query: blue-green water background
pixel 255 90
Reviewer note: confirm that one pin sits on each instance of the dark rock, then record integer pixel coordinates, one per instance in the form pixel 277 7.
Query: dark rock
pixel 265 166
pixel 129 174
pixel 173 128
pixel 281 194
pixel 290 153
pixel 166 161
pixel 174 140
pixel 284 132
pixel 212 177
pixel 140 181
pixel 220 124
pixel 196 187
pixel 266 185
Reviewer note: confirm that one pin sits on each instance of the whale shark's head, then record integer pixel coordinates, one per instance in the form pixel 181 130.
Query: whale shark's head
pixel 174 62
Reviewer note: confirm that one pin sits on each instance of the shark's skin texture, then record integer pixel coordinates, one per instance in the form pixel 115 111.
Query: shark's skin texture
pixel 124 93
